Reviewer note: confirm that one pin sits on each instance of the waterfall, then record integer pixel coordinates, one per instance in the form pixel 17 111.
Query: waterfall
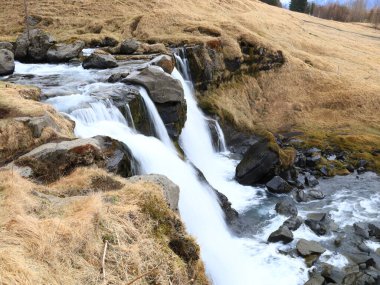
pixel 129 116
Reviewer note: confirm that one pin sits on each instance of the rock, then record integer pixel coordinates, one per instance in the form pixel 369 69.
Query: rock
pixel 65 52
pixel 359 278
pixel 324 170
pixel 7 63
pixel 361 229
pixel 300 196
pixel 316 279
pixel 361 170
pixel 7 45
pixel 286 207
pixel 318 223
pixel 283 234
pixel 33 20
pixel 129 46
pixel 313 161
pixel 165 62
pixel 361 258
pixel 230 213
pixel 374 230
pixel 278 185
pixel 315 195
pixel 170 189
pixel 99 60
pixel 259 164
pixel 306 248
pixel 50 161
pixel 293 223
pixel 154 48
pixel 117 77
pixel 35 48
pixel 167 94
pixel 332 274
pixel 310 180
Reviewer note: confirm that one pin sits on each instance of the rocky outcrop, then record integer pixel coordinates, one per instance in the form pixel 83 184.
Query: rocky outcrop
pixel 49 162
pixel 99 60
pixel 167 94
pixel 64 52
pixel 7 64
pixel 259 164
pixel 33 46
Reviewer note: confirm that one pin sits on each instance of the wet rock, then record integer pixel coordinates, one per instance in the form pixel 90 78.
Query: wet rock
pixel 230 213
pixel 167 94
pixel 7 45
pixel 165 62
pixel 361 170
pixel 49 162
pixel 306 248
pixel 99 60
pixel 293 223
pixel 283 234
pixel 374 230
pixel 286 207
pixel 316 279
pixel 359 278
pixel 117 77
pixel 315 195
pixel 318 223
pixel 332 274
pixel 361 229
pixel 129 46
pixel 278 185
pixel 310 180
pixel 65 52
pixel 7 64
pixel 350 168
pixel 361 259
pixel 169 188
pixel 185 248
pixel 259 164
pixel 34 48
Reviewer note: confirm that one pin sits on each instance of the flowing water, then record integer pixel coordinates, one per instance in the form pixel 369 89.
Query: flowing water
pixel 230 259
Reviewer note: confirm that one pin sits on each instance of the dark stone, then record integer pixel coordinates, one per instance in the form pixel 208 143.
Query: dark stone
pixel 167 94
pixel 318 223
pixel 259 164
pixel 359 278
pixel 332 274
pixel 361 229
pixel 310 180
pixel 225 204
pixel 278 185
pixel 313 161
pixel 362 163
pixel 65 52
pixel 374 230
pixel 109 42
pixel 306 248
pixel 324 171
pixel 165 62
pixel 286 207
pixel 315 195
pixel 283 234
pixel 300 196
pixel 7 45
pixel 7 63
pixel 316 279
pixel 99 60
pixel 361 170
pixel 129 46
pixel 350 168
pixel 117 77
pixel 293 223
pixel 34 48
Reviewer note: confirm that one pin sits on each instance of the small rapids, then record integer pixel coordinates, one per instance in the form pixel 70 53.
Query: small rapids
pixel 229 258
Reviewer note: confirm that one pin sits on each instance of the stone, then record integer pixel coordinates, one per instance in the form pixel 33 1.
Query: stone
pixel 165 62
pixel 283 234
pixel 332 274
pixel 361 170
pixel 7 45
pixel 259 164
pixel 169 188
pixel 359 278
pixel 315 195
pixel 65 52
pixel 48 162
pixel 167 94
pixel 361 229
pixel 278 185
pixel 310 180
pixel 230 213
pixel 286 207
pixel 7 63
pixel 99 60
pixel 305 247
pixel 293 223
pixel 374 230
pixel 318 223
pixel 129 46
pixel 117 77
pixel 34 48
pixel 316 279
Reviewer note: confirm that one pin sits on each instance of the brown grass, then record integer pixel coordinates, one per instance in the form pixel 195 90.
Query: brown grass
pixel 55 235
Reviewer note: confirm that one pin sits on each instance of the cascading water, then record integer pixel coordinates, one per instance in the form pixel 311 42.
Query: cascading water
pixel 228 259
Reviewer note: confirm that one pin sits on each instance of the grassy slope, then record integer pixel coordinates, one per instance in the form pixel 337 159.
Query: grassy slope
pixel 329 85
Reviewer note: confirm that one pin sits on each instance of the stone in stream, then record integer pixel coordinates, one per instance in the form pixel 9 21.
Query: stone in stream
pixel 165 62
pixel 306 248
pixel 64 52
pixel 99 60
pixel 332 274
pixel 374 230
pixel 318 223
pixel 278 185
pixel 360 278
pixel 310 180
pixel 129 46
pixel 117 77
pixel 7 63
pixel 167 94
pixel 293 223
pixel 316 279
pixel 286 207
pixel 361 229
pixel 33 47
pixel 283 234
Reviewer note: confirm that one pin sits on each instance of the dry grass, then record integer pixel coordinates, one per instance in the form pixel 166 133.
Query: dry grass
pixel 17 105
pixel 56 235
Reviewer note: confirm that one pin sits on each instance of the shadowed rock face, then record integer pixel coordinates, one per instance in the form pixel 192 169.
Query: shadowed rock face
pixel 167 94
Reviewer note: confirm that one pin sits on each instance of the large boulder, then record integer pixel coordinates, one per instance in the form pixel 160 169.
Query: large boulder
pixel 64 52
pixel 169 188
pixel 287 207
pixel 7 63
pixel 7 45
pixel 167 94
pixel 48 162
pixel 129 46
pixel 259 164
pixel 100 60
pixel 33 46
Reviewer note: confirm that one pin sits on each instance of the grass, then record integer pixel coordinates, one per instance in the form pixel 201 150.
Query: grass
pixel 55 234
